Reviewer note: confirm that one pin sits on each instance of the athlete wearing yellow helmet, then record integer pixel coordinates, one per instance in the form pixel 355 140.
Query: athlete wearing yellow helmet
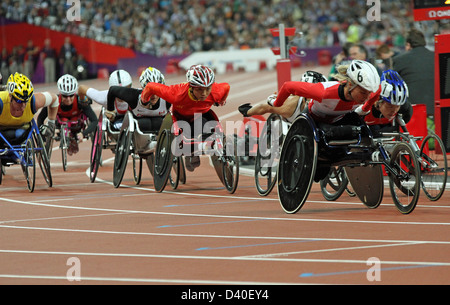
pixel 19 104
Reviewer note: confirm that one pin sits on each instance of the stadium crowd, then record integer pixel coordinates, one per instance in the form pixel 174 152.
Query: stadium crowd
pixel 174 27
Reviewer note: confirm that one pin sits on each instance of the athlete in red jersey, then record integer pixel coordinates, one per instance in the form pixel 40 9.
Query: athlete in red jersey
pixel 393 101
pixel 194 97
pixel 357 90
pixel 70 109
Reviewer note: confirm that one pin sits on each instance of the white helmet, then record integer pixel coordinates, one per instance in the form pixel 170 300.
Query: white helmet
pixel 67 84
pixel 364 74
pixel 120 78
pixel 200 76
pixel 151 75
pixel 313 77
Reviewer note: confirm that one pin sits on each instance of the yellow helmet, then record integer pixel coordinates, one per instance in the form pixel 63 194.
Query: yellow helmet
pixel 20 87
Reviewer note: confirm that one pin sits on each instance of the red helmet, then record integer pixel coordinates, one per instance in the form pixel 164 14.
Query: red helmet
pixel 200 76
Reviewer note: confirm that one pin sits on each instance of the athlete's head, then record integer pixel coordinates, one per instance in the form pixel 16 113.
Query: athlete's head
pixel 21 91
pixel 67 86
pixel 120 78
pixel 200 79
pixel 394 93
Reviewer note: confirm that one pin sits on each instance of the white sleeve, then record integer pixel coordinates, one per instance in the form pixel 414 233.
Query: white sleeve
pixel 100 97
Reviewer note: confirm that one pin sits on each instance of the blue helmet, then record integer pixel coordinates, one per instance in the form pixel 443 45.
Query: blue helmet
pixel 393 88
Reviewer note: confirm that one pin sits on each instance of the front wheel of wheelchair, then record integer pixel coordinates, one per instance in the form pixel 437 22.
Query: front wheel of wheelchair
pixel 64 145
pixel 268 154
pixel 121 158
pixel 29 164
pixel 174 177
pixel 404 180
pixel 230 165
pixel 298 162
pixel 433 165
pixel 334 184
pixel 137 168
pixel 163 160
pixel 43 158
pixel 96 154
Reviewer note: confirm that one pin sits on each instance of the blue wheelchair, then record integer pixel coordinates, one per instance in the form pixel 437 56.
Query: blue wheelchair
pixel 309 151
pixel 27 149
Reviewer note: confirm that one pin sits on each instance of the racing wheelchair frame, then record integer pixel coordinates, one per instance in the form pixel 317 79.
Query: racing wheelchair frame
pixel 26 153
pixel 173 142
pixel 307 150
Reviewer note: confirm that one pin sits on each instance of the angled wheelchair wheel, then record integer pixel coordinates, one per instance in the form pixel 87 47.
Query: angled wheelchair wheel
pixel 96 154
pixel 121 158
pixel 137 168
pixel 43 158
pixel 334 184
pixel 29 164
pixel 174 176
pixel 268 154
pixel 433 166
pixel 64 145
pixel 163 160
pixel 298 162
pixel 404 180
pixel 230 165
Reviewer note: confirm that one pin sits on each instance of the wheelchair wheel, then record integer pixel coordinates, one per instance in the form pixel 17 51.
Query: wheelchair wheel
pixel 433 167
pixel 333 185
pixel 64 145
pixel 121 158
pixel 96 153
pixel 267 156
pixel 163 160
pixel 404 181
pixel 43 158
pixel 174 177
pixel 298 162
pixel 230 165
pixel 137 168
pixel 29 164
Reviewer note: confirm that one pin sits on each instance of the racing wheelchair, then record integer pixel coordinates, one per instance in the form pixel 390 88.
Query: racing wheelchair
pixel 174 142
pixel 105 137
pixel 431 155
pixel 26 150
pixel 141 145
pixel 309 151
pixel 268 153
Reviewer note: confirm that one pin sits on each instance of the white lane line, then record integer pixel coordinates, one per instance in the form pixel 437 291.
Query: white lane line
pixel 144 280
pixel 227 258
pixel 222 236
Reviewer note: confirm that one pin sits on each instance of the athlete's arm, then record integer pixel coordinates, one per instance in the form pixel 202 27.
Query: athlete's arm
pixel 128 95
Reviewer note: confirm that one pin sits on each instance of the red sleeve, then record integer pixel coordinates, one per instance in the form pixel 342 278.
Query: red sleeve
pixel 306 90
pixel 222 89
pixel 371 101
pixel 172 94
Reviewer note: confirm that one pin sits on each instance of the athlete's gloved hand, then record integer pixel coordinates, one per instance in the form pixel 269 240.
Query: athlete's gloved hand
pixel 360 111
pixel 244 108
pixel 271 98
pixel 111 115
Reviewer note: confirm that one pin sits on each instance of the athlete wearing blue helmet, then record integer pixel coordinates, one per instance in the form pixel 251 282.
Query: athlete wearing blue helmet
pixel 394 89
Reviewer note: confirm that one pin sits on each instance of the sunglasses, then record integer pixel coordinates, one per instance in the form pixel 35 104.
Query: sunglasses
pixel 19 101
pixel 67 96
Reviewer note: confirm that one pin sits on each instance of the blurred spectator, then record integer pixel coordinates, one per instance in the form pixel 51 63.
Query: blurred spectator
pixel 416 67
pixel 4 63
pixel 30 58
pixel 383 58
pixel 82 68
pixel 16 59
pixel 358 51
pixel 48 56
pixel 67 57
